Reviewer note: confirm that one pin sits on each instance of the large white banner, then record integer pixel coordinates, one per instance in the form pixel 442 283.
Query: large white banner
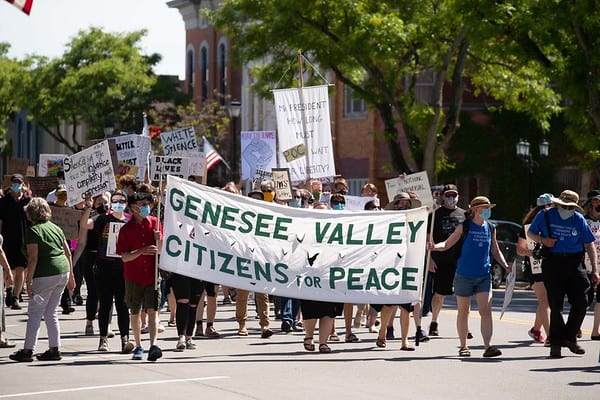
pixel 134 150
pixel 304 132
pixel 89 172
pixel 354 257
pixel 180 142
pixel 258 152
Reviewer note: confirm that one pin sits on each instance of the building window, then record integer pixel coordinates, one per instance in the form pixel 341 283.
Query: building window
pixel 190 72
pixel 222 62
pixel 204 72
pixel 353 107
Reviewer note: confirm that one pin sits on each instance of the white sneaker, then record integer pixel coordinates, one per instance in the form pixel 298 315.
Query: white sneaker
pixel 103 345
pixel 190 345
pixel 161 328
pixel 180 344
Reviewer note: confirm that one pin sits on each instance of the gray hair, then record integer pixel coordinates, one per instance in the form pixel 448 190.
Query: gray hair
pixel 38 210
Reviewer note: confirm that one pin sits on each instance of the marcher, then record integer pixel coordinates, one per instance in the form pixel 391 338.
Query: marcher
pixel 563 269
pixel 472 276
pixel 592 217
pixel 139 241
pixel 49 269
pixel 5 275
pixel 533 270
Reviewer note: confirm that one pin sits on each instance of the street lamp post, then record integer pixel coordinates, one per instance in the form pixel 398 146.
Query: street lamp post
pixel 234 108
pixel 523 151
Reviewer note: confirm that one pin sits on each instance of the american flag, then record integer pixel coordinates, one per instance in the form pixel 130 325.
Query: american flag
pixel 23 5
pixel 211 156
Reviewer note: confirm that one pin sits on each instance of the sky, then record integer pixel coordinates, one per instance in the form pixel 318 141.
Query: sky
pixel 53 23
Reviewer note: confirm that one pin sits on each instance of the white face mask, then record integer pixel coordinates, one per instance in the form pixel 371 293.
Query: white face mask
pixel 565 214
pixel 450 201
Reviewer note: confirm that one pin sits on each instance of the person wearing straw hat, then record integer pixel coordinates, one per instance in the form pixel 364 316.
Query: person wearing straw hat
pixel 563 230
pixel 473 276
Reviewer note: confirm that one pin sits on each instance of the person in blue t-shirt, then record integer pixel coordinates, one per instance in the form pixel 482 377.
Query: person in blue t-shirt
pixel 564 231
pixel 472 276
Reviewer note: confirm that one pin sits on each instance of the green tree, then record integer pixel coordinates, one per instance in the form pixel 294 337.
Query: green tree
pixel 381 48
pixel 10 73
pixel 101 77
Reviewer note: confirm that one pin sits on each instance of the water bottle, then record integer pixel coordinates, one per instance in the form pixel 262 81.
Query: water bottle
pixel 37 298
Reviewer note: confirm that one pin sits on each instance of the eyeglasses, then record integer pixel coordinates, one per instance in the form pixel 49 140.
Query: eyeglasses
pixel 118 201
pixel 450 194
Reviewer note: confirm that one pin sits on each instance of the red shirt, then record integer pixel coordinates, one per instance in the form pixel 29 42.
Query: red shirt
pixel 133 236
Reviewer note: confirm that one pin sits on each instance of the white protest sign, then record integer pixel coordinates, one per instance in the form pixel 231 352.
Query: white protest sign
pixel 197 163
pixel 353 257
pixel 89 172
pixel 113 234
pixel 176 166
pixel 417 183
pixel 304 132
pixel 283 184
pixel 536 265
pixel 50 164
pixel 180 141
pixel 511 279
pixel 357 203
pixel 133 149
pixel 258 152
pixel 260 176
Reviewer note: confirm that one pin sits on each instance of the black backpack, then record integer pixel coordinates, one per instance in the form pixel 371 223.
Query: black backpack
pixel 466 226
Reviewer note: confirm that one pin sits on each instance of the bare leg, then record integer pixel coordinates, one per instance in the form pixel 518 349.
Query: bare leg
pixel 325 325
pixel 542 317
pixel 348 318
pixel 437 301
pixel 596 325
pixel 484 305
pixel 136 327
pixel 152 325
pixel 404 325
pixel 462 319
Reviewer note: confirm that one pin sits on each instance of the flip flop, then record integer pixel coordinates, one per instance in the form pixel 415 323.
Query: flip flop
pixel 334 338
pixel 323 348
pixel 351 338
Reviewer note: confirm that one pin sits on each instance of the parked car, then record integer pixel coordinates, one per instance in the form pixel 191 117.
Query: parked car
pixel 507 235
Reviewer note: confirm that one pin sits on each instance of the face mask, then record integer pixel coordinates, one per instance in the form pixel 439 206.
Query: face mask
pixel 101 209
pixel 145 210
pixel 269 196
pixel 296 203
pixel 16 187
pixel 117 207
pixel 486 213
pixel 338 206
pixel 450 201
pixel 565 214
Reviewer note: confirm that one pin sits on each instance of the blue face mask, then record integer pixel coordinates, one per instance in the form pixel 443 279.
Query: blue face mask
pixel 145 210
pixel 486 213
pixel 16 187
pixel 117 207
pixel 296 203
pixel 338 206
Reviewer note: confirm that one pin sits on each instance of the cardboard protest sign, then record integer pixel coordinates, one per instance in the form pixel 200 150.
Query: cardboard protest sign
pixel 258 152
pixel 89 172
pixel 67 219
pixel 304 132
pixel 261 176
pixel 40 186
pixel 175 166
pixel 197 163
pixel 125 169
pixel 17 166
pixel 180 142
pixel 339 256
pixel 133 149
pixel 283 184
pixel 50 164
pixel 417 183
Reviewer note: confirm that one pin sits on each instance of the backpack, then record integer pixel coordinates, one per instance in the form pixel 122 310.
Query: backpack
pixel 466 226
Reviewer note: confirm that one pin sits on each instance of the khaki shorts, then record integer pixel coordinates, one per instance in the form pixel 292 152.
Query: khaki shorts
pixel 137 296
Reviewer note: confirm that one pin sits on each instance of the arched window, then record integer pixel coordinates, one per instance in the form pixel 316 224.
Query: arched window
pixel 204 72
pixel 190 71
pixel 222 63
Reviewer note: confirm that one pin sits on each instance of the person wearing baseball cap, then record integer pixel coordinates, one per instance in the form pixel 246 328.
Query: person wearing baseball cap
pixel 565 232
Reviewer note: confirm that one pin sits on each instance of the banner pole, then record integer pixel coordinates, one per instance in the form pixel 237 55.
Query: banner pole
pixel 158 214
pixel 427 263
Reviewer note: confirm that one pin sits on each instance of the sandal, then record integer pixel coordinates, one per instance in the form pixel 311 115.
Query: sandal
pixel 407 348
pixel 323 348
pixel 492 351
pixel 334 338
pixel 7 345
pixel 309 345
pixel 351 338
pixel 464 352
pixel 242 332
pixel 380 342
pixel 172 323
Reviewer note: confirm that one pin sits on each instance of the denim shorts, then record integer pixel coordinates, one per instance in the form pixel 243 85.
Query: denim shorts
pixel 466 286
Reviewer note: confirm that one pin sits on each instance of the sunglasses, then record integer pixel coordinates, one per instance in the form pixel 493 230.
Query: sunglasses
pixel 450 195
pixel 118 201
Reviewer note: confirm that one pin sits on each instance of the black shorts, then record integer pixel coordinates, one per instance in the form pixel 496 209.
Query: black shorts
pixel 407 306
pixel 443 279
pixel 185 287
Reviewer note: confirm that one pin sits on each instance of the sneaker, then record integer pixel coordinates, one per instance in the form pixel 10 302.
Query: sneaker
pixel 68 309
pixel 286 326
pixel 154 353
pixel 226 300
pixel 433 329
pixel 103 345
pixel 89 330
pixel 78 300
pixel 266 333
pixel 8 300
pixel 421 335
pixel 15 304
pixel 389 333
pixel 190 345
pixel 52 354
pixel 161 328
pixel 144 329
pixel 23 355
pixel 574 347
pixel 110 334
pixel 138 353
pixel 536 335
pixel 211 332
pixel 547 343
pixel 298 327
pixel 180 344
pixel 127 346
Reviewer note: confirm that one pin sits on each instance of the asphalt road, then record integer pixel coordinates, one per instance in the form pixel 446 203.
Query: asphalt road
pixel 249 367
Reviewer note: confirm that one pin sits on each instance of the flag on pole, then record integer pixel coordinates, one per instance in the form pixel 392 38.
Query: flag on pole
pixel 145 130
pixel 211 156
pixel 23 5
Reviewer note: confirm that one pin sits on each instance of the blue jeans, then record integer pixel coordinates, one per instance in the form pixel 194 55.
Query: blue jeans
pixel 289 310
